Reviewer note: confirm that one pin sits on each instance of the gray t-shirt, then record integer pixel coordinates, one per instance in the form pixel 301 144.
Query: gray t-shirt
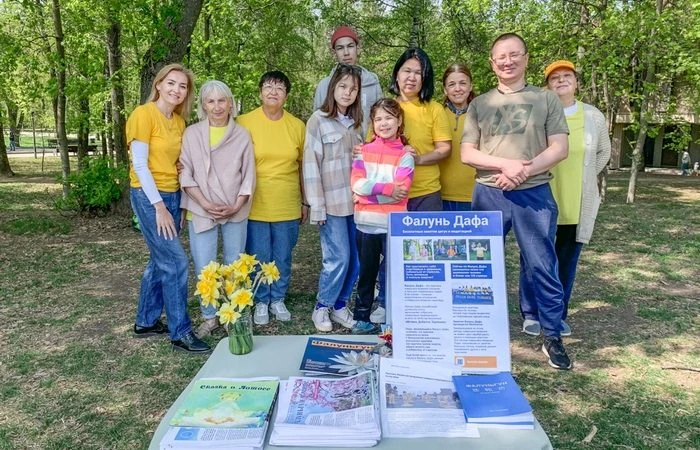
pixel 514 126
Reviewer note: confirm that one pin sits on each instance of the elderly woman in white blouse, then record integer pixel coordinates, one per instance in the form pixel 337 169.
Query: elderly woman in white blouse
pixel 218 180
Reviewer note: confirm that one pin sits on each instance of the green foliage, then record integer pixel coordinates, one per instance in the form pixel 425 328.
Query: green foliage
pixel 95 188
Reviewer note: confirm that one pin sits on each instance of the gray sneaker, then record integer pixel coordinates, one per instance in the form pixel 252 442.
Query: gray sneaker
pixel 343 316
pixel 261 317
pixel 565 329
pixel 378 315
pixel 280 311
pixel 531 327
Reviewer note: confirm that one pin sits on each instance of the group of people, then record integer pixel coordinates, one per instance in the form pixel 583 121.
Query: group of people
pixel 256 177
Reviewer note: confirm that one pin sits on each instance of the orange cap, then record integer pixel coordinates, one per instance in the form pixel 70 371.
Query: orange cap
pixel 561 64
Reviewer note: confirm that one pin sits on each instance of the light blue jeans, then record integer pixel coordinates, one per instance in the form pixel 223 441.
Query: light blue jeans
pixel 164 282
pixel 341 264
pixel 204 245
pixel 273 241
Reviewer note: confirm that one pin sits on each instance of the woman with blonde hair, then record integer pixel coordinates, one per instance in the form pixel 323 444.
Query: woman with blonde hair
pixel 154 135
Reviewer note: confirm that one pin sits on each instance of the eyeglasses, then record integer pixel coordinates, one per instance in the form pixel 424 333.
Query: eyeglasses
pixel 514 57
pixel 278 88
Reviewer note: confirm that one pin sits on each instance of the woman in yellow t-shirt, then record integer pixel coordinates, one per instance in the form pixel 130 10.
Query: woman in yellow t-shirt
pixel 456 178
pixel 154 134
pixel 278 201
pixel 575 179
pixel 425 125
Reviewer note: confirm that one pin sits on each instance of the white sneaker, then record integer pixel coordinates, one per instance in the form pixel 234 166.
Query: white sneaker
pixel 261 316
pixel 378 315
pixel 343 316
pixel 321 319
pixel 280 311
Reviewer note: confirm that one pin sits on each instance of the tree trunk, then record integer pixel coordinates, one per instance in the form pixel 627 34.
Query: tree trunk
pixel 207 38
pixel 83 129
pixel 61 95
pixel 643 113
pixel 170 45
pixel 114 60
pixel 5 168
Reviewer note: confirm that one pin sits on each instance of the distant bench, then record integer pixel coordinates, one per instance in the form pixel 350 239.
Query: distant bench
pixel 73 145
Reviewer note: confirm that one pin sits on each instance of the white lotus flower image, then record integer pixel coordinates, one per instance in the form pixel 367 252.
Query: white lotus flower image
pixel 353 362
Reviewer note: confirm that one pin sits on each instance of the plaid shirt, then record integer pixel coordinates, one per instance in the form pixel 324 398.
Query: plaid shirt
pixel 327 165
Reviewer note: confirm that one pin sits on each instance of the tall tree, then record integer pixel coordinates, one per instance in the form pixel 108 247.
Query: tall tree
pixel 114 59
pixel 171 39
pixel 4 161
pixel 60 95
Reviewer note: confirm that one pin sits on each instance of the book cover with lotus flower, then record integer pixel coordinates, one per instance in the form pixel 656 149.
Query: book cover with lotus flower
pixel 336 357
pixel 227 403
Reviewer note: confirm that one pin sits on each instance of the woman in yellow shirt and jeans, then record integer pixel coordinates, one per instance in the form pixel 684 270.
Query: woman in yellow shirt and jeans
pixel 278 201
pixel 154 134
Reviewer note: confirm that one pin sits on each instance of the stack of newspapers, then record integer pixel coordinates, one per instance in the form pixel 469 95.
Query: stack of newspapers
pixel 323 412
pixel 223 413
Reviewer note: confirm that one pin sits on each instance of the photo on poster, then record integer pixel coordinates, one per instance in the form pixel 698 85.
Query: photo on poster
pixel 418 250
pixel 479 249
pixel 472 293
pixel 418 397
pixel 450 249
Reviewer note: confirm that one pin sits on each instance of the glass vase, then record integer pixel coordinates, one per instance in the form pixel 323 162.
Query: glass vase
pixel 240 334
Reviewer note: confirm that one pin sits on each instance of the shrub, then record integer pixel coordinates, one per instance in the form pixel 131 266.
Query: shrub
pixel 96 187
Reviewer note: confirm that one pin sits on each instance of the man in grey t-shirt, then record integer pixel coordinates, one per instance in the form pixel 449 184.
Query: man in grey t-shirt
pixel 513 135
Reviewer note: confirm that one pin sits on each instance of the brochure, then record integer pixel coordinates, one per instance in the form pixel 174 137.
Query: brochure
pixel 227 403
pixel 418 400
pixel 494 399
pixel 336 357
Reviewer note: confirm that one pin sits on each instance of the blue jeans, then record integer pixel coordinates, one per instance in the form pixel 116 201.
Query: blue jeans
pixel 203 247
pixel 340 262
pixel 273 241
pixel 453 205
pixel 370 248
pixel 532 214
pixel 164 282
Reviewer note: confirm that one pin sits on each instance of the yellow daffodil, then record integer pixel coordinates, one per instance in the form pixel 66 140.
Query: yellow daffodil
pixel 227 314
pixel 226 270
pixel 247 259
pixel 270 273
pixel 241 298
pixel 229 288
pixel 208 290
pixel 210 271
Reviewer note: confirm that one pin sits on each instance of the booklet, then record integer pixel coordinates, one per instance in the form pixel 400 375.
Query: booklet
pixel 493 399
pixel 227 403
pixel 336 357
pixel 418 400
pixel 193 438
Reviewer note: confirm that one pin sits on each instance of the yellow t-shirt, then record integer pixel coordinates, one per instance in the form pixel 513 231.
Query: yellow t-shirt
pixel 164 138
pixel 216 134
pixel 567 184
pixel 279 148
pixel 425 124
pixel 457 179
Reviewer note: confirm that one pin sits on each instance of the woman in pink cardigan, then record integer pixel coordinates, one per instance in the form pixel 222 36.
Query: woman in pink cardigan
pixel 218 179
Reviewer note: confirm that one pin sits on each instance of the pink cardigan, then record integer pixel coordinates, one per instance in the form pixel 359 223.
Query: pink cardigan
pixel 222 173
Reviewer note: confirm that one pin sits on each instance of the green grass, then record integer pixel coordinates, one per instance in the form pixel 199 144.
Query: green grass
pixel 72 376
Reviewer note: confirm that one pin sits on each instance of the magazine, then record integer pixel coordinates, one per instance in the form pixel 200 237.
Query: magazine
pixel 494 400
pixel 192 438
pixel 323 412
pixel 418 400
pixel 336 357
pixel 227 403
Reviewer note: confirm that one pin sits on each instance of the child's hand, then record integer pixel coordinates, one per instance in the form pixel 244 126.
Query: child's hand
pixel 399 193
pixel 356 151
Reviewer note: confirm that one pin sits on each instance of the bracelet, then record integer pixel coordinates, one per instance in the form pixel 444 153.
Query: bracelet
pixel 305 204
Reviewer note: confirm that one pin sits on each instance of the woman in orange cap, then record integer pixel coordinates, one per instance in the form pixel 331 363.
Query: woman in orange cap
pixel 575 182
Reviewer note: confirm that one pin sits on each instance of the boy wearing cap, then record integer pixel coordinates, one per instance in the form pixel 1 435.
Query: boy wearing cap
pixel 345 46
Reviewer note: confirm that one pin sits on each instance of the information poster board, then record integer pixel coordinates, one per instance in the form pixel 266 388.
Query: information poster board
pixel 446 296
